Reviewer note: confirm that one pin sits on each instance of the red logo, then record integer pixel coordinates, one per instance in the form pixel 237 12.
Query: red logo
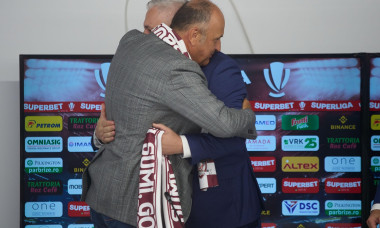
pixel 263 164
pixel 343 225
pixel 78 209
pixel 300 185
pixel 343 185
pixel 268 225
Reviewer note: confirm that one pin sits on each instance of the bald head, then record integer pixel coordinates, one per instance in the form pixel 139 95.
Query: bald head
pixel 200 23
pixel 160 11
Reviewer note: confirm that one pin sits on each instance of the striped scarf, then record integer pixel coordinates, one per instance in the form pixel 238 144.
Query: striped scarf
pixel 158 200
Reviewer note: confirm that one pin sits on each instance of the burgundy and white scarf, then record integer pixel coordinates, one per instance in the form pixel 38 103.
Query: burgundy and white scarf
pixel 157 187
pixel 206 169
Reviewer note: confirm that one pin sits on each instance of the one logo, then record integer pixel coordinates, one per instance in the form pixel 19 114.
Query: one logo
pixel 343 207
pixel 261 143
pixel 267 185
pixel 342 164
pixel 276 81
pixel 43 209
pixel 300 207
pixel 78 209
pixel 300 143
pixel 300 164
pixel 101 77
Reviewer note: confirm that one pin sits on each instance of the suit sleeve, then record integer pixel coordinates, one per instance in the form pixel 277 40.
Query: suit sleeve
pixel 377 196
pixel 188 95
pixel 225 81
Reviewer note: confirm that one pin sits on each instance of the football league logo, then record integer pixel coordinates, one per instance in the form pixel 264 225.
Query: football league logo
pixel 101 77
pixel 276 80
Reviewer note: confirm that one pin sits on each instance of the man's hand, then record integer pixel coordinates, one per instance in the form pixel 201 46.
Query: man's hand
pixel 171 141
pixel 373 219
pixel 105 129
pixel 246 104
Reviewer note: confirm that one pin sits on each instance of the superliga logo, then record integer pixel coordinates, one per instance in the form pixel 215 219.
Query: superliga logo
pixel 275 80
pixel 101 77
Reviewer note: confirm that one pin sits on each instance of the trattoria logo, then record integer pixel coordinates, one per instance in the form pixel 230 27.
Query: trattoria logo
pixel 300 164
pixel 43 123
pixel 343 143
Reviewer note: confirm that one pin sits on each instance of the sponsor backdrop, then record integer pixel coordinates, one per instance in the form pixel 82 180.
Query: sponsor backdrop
pixel 307 158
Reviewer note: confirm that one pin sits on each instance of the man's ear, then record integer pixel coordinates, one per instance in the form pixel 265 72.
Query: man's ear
pixel 194 35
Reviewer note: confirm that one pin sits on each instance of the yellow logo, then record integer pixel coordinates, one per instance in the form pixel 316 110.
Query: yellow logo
pixel 43 123
pixel 375 122
pixel 300 164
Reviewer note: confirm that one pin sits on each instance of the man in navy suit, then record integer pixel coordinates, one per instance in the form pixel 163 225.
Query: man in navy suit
pixel 374 217
pixel 237 201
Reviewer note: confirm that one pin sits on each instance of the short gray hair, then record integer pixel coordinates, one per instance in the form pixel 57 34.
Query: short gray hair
pixel 164 3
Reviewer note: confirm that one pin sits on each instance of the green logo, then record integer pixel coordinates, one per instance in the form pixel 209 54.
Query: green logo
pixel 300 122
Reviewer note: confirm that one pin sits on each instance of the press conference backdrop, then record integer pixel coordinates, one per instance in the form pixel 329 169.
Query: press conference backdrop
pixel 312 164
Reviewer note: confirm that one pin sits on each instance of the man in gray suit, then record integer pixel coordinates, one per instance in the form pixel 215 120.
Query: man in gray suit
pixel 149 81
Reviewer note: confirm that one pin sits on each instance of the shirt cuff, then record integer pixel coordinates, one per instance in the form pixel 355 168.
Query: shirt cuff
pixel 96 141
pixel 185 147
pixel 375 206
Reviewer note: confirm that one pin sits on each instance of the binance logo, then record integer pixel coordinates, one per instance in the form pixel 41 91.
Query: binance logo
pixel 343 119
pixel 86 162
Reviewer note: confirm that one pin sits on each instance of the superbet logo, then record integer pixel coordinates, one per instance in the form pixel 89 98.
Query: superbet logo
pixel 263 164
pixel 300 185
pixel 78 209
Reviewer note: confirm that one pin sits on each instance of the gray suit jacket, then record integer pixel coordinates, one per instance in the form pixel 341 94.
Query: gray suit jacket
pixel 150 82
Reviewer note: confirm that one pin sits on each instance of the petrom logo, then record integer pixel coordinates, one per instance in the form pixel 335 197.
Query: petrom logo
pixel 375 122
pixel 300 164
pixel 300 122
pixel 43 123
pixel 343 207
pixel 300 143
pixel 43 165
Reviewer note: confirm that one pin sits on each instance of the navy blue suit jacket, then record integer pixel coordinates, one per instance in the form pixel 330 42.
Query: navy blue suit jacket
pixel 377 196
pixel 237 200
